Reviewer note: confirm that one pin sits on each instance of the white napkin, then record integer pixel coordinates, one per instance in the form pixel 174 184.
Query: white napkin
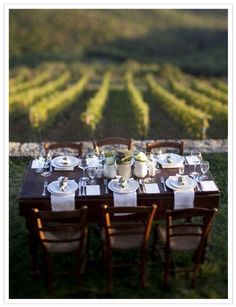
pixel 69 168
pixel 37 164
pixel 93 190
pixel 152 188
pixel 63 202
pixel 192 159
pixel 172 165
pixel 184 199
pixel 208 185
pixel 125 199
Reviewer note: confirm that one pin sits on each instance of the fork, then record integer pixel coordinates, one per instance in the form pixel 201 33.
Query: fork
pixel 105 184
pixel 163 182
pixel 45 184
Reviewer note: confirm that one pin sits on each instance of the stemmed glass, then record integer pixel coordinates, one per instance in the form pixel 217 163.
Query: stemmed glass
pixel 197 154
pixel 83 164
pixel 92 172
pixel 204 166
pixel 46 157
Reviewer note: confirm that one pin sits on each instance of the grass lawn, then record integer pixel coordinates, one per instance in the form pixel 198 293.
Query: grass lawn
pixel 212 281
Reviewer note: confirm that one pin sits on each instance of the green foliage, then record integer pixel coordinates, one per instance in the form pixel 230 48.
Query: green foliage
pixel 95 106
pixel 194 120
pixel 26 99
pixel 140 107
pixel 43 113
pixel 220 85
pixel 204 103
pixel 195 40
pixel 205 88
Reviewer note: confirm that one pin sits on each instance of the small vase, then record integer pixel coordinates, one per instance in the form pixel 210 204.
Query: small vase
pixel 124 170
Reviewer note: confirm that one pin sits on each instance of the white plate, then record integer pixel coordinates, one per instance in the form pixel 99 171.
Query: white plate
pixel 176 159
pixel 54 187
pixel 58 162
pixel 131 186
pixel 173 183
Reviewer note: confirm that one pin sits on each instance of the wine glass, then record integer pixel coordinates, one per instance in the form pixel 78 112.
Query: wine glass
pixel 204 166
pixel 83 164
pixel 92 158
pixel 193 155
pixel 46 157
pixel 92 172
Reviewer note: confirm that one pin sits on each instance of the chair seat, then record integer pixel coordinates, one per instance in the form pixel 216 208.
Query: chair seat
pixel 120 240
pixel 62 247
pixel 182 242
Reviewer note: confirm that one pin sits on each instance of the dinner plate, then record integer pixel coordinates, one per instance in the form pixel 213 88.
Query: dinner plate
pixel 176 159
pixel 54 187
pixel 58 162
pixel 173 183
pixel 130 186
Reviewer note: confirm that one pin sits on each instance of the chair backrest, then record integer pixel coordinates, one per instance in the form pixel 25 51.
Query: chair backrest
pixel 166 144
pixel 77 147
pixel 121 223
pixel 188 228
pixel 61 231
pixel 112 141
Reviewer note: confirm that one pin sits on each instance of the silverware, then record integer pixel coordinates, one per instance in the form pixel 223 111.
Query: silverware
pixel 45 184
pixel 80 188
pixel 105 184
pixel 141 182
pixel 139 187
pixel 84 187
pixel 163 182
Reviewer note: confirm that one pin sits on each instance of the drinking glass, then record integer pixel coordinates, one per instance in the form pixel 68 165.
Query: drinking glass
pixel 92 172
pixel 204 166
pixel 39 160
pixel 46 157
pixel 193 154
pixel 83 164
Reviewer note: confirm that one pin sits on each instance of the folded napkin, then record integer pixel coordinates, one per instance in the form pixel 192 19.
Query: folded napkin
pixel 192 159
pixel 69 168
pixel 184 199
pixel 37 164
pixel 125 199
pixel 63 202
pixel 93 190
pixel 208 185
pixel 172 165
pixel 152 188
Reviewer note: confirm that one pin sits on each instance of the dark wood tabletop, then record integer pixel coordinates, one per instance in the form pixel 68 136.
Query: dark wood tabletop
pixel 31 194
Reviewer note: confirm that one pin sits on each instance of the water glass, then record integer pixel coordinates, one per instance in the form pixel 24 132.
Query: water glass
pixel 46 157
pixel 204 167
pixel 92 172
pixel 83 164
pixel 194 173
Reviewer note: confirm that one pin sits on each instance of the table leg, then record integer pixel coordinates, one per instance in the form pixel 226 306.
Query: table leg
pixel 32 242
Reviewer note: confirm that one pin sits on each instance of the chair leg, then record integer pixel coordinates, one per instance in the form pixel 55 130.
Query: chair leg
pixel 49 271
pixel 143 269
pixel 109 270
pixel 167 268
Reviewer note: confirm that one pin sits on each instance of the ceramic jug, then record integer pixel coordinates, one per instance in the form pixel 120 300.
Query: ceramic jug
pixel 124 170
pixel 110 170
pixel 140 169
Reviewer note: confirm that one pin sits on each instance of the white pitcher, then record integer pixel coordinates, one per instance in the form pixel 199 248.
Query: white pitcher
pixel 140 169
pixel 110 171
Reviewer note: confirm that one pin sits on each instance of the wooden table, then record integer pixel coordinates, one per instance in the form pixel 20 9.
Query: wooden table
pixel 31 197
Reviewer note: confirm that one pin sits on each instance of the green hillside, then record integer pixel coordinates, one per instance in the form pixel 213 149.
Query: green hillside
pixel 195 40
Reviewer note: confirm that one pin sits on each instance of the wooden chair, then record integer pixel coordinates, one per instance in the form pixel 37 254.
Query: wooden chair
pixel 126 228
pixel 112 141
pixel 62 232
pixel 77 147
pixel 176 145
pixel 178 235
